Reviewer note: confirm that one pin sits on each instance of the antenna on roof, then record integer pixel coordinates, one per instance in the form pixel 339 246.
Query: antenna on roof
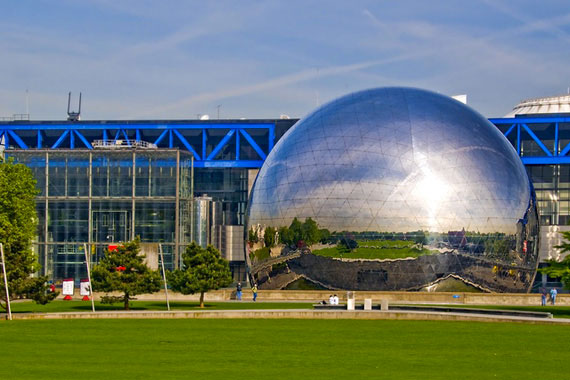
pixel 72 115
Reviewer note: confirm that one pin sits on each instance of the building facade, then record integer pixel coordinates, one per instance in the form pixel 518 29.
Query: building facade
pixel 167 182
pixel 135 193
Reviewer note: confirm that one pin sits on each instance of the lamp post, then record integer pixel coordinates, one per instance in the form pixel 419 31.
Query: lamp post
pixel 8 308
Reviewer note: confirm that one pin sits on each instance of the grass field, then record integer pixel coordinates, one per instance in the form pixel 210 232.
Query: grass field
pixel 373 253
pixel 281 349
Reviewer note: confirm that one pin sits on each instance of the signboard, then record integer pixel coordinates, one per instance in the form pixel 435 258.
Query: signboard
pixel 84 288
pixel 67 287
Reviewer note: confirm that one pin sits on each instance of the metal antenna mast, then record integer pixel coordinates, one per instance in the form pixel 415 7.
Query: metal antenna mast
pixel 72 115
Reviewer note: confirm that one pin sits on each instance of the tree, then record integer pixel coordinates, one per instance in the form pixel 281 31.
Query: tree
pixel 325 236
pixel 285 236
pixel 269 237
pixel 560 269
pixel 310 232
pixel 295 229
pixel 204 270
pixel 18 223
pixel 124 270
pixel 252 236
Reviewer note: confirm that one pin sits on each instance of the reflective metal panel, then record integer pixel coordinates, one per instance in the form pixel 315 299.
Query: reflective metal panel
pixel 407 188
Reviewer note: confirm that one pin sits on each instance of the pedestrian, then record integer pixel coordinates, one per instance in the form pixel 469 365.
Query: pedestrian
pixel 543 296
pixel 553 293
pixel 335 299
pixel 331 300
pixel 238 291
pixel 254 291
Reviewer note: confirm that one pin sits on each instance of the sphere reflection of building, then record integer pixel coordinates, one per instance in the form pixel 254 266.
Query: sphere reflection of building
pixel 427 189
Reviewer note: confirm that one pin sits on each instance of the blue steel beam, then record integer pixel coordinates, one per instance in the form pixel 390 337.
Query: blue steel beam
pixel 555 139
pixel 565 151
pixel 519 139
pixel 531 120
pixel 510 129
pixel 253 144
pixel 537 140
pixel 127 126
pixel 237 144
pixel 186 144
pixel 159 139
pixel 60 140
pixel 204 142
pixel 126 137
pixel 220 145
pixel 229 164
pixel 545 160
pixel 17 139
pixel 83 139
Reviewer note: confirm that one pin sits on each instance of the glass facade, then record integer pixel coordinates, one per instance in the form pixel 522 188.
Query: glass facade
pixel 95 198
pixel 551 181
pixel 393 189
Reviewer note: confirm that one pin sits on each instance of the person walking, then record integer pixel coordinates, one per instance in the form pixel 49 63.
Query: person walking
pixel 238 291
pixel 543 294
pixel 254 291
pixel 553 293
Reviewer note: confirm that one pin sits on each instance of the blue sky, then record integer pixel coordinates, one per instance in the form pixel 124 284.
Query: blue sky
pixel 138 59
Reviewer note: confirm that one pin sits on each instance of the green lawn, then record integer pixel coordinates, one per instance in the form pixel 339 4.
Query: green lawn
pixel 281 349
pixel 373 253
pixel 387 243
pixel 65 306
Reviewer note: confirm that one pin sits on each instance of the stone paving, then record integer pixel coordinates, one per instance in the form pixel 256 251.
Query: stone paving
pixel 294 314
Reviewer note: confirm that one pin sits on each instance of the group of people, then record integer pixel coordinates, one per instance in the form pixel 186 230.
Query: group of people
pixel 333 300
pixel 239 291
pixel 553 292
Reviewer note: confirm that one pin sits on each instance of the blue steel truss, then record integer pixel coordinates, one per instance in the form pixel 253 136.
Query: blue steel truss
pixel 220 144
pixel 233 143
pixel 550 133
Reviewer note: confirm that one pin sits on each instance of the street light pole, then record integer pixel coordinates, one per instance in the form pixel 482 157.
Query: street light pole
pixel 8 308
pixel 164 276
pixel 88 264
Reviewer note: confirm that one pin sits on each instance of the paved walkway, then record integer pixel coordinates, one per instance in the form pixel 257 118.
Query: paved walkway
pixel 293 314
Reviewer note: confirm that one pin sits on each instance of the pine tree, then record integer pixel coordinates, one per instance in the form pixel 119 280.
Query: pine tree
pixel 204 270
pixel 18 223
pixel 124 270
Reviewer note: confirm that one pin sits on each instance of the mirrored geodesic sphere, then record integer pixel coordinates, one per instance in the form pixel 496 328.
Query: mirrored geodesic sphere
pixel 393 189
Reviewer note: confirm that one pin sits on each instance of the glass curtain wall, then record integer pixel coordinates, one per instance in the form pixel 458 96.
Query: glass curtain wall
pixel 102 197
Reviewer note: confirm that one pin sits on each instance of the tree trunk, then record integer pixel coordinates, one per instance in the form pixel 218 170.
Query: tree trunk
pixel 202 299
pixel 126 301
